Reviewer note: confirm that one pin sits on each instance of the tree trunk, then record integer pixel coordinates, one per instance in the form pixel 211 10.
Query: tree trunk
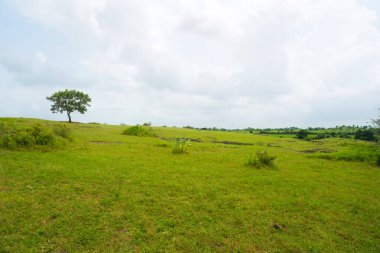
pixel 68 115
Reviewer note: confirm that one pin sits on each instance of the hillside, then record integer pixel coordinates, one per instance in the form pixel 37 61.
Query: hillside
pixel 102 191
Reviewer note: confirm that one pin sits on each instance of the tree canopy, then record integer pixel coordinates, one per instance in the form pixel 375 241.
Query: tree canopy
pixel 69 101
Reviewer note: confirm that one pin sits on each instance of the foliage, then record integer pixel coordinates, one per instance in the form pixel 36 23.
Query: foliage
pixel 69 101
pixel 261 159
pixel 181 145
pixel 14 136
pixel 302 134
pixel 139 131
pixel 63 131
pixel 365 135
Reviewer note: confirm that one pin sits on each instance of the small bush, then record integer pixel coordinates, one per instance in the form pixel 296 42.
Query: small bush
pixel 138 131
pixel 302 134
pixel 180 146
pixel 63 131
pixel 261 159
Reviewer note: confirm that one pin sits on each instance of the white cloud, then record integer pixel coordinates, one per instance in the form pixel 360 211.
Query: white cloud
pixel 41 57
pixel 215 62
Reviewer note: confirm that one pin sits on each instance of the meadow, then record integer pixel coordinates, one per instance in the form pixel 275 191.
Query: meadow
pixel 105 191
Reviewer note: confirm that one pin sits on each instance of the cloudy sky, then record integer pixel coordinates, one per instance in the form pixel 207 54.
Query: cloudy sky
pixel 224 63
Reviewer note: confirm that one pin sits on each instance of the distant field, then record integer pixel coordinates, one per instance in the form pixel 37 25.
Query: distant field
pixel 108 192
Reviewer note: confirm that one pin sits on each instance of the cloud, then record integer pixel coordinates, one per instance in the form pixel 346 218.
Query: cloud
pixel 214 62
pixel 41 57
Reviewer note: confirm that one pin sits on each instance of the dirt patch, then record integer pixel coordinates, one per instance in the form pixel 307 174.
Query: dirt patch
pixel 234 143
pixel 108 142
pixel 273 145
pixel 317 150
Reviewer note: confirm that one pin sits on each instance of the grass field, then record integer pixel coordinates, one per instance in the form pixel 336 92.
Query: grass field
pixel 108 192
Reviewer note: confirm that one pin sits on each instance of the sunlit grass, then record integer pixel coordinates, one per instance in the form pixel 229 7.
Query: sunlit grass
pixel 107 192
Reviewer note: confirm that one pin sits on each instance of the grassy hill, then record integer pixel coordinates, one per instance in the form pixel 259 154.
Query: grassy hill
pixel 103 191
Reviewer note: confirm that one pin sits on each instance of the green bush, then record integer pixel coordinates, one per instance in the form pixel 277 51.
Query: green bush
pixel 261 159
pixel 365 135
pixel 63 131
pixel 180 146
pixel 302 134
pixel 15 136
pixel 42 135
pixel 139 131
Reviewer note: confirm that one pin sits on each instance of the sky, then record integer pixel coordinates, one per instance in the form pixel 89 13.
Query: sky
pixel 204 63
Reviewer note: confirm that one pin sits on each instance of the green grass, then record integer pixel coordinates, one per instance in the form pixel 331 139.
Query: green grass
pixel 107 192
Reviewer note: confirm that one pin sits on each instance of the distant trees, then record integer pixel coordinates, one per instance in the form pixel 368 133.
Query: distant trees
pixel 69 101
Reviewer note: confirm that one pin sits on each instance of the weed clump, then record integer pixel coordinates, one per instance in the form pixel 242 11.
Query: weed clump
pixel 139 131
pixel 26 137
pixel 63 131
pixel 261 159
pixel 180 146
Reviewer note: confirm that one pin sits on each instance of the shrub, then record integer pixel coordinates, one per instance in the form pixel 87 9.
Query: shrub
pixel 180 146
pixel 321 136
pixel 138 131
pixel 365 135
pixel 12 136
pixel 63 131
pixel 261 159
pixel 42 135
pixel 302 134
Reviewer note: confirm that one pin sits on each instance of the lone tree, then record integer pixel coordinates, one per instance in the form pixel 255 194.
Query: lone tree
pixel 69 101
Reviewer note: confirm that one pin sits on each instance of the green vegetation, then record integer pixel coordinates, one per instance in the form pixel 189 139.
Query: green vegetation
pixel 107 192
pixel 16 136
pixel 302 134
pixel 139 131
pixel 365 135
pixel 181 145
pixel 69 101
pixel 261 159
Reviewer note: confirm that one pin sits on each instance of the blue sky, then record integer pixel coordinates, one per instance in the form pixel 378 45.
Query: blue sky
pixel 221 63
